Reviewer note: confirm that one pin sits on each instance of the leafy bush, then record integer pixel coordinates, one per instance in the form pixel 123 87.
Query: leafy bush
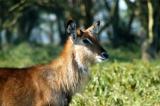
pixel 24 55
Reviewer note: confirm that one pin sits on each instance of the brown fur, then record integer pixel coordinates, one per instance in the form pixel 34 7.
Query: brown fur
pixel 46 85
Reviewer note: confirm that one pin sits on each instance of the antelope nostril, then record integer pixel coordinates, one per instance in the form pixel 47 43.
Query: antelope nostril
pixel 104 55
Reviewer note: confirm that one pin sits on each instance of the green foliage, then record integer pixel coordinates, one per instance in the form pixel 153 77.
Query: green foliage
pixel 26 55
pixel 124 80
pixel 125 54
pixel 122 84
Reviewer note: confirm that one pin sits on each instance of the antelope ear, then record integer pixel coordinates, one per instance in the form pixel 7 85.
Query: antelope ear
pixel 94 29
pixel 71 29
pixel 80 32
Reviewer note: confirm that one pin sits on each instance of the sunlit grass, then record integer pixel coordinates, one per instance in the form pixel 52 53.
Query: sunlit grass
pixel 122 84
pixel 124 80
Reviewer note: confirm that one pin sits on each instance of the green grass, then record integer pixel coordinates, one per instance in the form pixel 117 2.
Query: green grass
pixel 124 80
pixel 122 84
pixel 24 55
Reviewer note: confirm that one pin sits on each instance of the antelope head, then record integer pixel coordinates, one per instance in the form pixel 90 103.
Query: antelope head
pixel 87 48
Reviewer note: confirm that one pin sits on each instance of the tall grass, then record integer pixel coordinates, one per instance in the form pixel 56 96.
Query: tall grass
pixel 122 84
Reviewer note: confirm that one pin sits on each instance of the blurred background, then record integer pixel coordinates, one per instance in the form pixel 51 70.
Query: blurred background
pixel 33 32
pixel 123 22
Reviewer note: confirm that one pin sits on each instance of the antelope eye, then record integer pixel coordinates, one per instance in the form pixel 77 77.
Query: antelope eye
pixel 87 41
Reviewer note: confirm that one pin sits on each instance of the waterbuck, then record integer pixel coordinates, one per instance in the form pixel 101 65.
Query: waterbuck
pixel 55 83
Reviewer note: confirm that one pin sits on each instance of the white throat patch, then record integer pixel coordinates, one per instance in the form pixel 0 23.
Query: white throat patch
pixel 78 58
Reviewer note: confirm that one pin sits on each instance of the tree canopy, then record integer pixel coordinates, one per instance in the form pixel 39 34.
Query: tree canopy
pixel 124 22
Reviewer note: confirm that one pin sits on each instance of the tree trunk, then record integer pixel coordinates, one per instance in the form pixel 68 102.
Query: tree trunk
pixel 60 18
pixel 156 27
pixel 63 36
pixel 148 49
pixel 89 17
pixel 115 24
pixel 27 22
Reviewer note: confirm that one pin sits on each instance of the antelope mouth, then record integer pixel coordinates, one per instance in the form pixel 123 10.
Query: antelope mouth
pixel 104 56
pixel 100 59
